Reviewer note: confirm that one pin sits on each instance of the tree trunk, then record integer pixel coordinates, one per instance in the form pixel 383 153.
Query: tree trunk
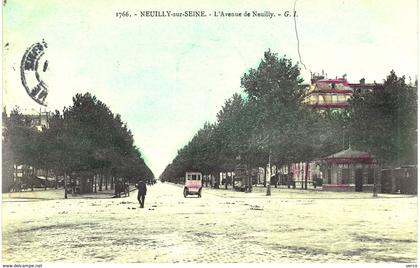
pixel 375 182
pixel 33 180
pixel 265 177
pixel 82 185
pixel 276 175
pixel 269 174
pixel 106 182
pixel 249 178
pixel 65 185
pixel 95 180
pixel 100 181
pixel 306 174
pixel 56 181
pixel 301 176
pixel 233 180
pixel 46 178
pixel 15 179
pixel 112 182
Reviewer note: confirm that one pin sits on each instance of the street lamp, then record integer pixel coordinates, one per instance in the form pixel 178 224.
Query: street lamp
pixel 269 174
pixel 375 190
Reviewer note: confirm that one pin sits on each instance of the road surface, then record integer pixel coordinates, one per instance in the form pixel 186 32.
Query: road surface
pixel 291 226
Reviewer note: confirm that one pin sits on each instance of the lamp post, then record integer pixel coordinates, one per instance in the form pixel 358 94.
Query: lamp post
pixel 269 174
pixel 375 190
pixel 65 185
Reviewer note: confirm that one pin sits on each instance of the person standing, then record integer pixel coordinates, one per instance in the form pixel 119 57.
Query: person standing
pixel 141 193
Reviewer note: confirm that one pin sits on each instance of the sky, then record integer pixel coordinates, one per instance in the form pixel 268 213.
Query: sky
pixel 167 76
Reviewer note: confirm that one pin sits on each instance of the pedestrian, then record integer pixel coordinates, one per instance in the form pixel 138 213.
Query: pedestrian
pixel 142 192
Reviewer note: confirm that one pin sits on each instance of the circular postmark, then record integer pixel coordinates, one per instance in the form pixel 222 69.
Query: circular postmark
pixel 33 70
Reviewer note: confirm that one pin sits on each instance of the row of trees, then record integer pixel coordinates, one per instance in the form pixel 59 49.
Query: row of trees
pixel 85 138
pixel 270 120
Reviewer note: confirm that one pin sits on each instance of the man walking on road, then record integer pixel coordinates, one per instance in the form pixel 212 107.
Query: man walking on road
pixel 142 192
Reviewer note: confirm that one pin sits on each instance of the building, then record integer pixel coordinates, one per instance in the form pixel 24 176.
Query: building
pixel 22 176
pixel 349 170
pixel 334 93
pixel 39 120
pixel 329 93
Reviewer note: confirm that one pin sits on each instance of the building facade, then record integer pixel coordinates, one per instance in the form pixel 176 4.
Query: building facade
pixel 349 170
pixel 334 93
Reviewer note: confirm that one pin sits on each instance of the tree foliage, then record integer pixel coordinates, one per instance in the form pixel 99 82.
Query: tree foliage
pixel 384 121
pixel 272 120
pixel 87 136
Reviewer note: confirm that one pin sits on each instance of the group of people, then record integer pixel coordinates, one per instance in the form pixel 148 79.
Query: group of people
pixel 151 181
pixel 121 187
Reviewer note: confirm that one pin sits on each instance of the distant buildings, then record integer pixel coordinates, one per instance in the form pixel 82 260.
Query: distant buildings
pixel 348 170
pixel 25 176
pixel 334 93
pixel 39 120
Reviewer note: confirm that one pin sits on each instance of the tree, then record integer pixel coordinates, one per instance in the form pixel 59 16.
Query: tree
pixel 384 121
pixel 98 141
pixel 281 127
pixel 19 143
pixel 86 138
pixel 269 121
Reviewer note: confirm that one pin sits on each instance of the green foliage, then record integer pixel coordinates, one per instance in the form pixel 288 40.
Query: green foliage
pixel 85 137
pixel 250 127
pixel 384 121
pixel 282 122
pixel 276 80
pixel 273 120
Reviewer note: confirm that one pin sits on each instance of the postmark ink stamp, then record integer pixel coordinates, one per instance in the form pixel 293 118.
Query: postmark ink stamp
pixel 33 69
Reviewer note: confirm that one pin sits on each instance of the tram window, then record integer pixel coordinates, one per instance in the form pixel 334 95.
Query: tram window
pixel 194 177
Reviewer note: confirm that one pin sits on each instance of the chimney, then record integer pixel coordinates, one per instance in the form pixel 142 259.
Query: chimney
pixel 362 82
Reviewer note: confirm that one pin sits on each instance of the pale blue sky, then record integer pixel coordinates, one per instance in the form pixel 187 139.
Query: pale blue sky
pixel 167 76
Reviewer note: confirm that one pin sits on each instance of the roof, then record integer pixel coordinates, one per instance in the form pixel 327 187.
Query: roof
pixel 367 86
pixel 350 156
pixel 337 81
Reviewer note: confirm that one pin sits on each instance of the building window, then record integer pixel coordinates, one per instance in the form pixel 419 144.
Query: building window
pixel 314 99
pixel 329 176
pixel 371 176
pixel 320 99
pixel 345 175
pixel 340 86
pixel 327 98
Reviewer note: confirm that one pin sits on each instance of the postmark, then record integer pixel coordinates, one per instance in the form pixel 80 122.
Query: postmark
pixel 33 70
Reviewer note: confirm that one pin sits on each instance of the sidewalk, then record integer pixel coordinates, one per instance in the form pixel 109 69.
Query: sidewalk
pixel 282 192
pixel 53 194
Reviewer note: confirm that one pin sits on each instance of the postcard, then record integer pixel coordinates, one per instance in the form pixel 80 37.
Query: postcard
pixel 209 132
